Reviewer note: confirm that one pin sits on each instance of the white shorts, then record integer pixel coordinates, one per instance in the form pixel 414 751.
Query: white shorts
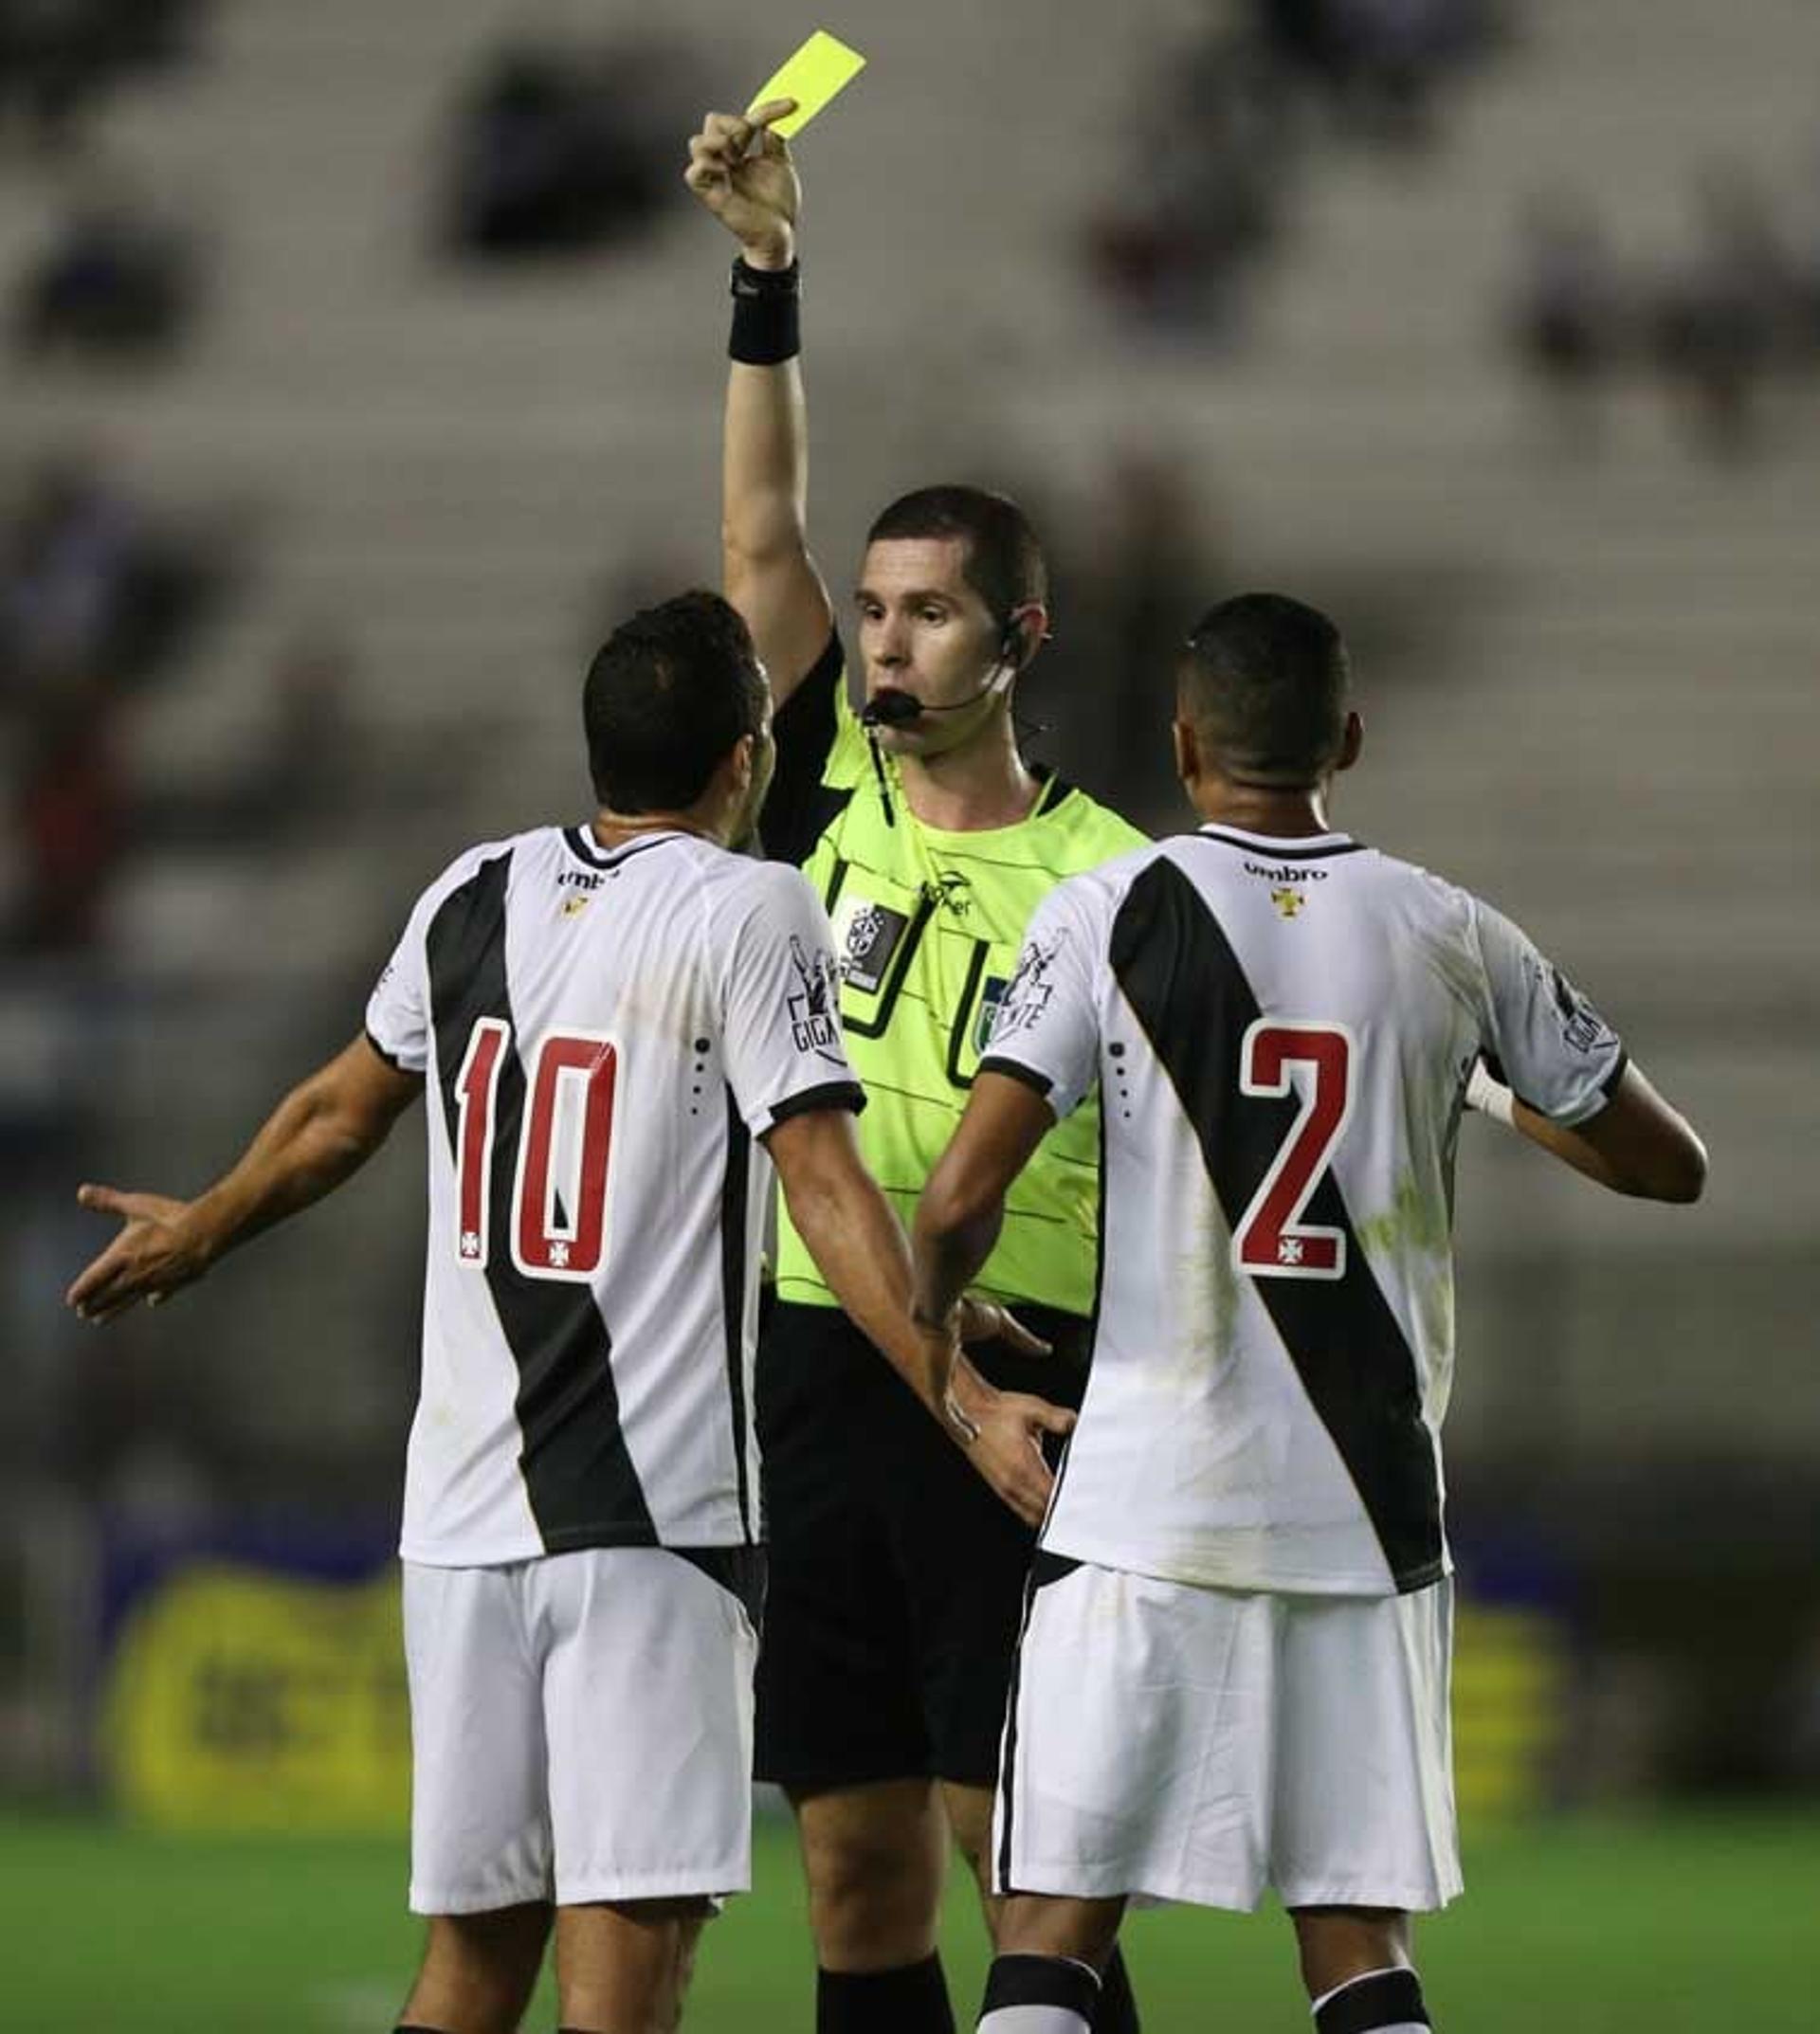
pixel 1194 1744
pixel 581 1730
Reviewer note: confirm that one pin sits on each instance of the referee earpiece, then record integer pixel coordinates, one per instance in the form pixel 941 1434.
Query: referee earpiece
pixel 1009 661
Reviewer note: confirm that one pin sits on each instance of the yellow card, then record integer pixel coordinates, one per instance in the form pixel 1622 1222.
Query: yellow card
pixel 820 70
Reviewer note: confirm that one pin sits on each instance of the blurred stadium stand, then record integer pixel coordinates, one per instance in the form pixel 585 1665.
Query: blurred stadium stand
pixel 1591 686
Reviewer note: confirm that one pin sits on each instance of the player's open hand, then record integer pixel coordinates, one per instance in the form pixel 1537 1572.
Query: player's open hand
pixel 154 1256
pixel 985 1320
pixel 1003 1433
pixel 744 175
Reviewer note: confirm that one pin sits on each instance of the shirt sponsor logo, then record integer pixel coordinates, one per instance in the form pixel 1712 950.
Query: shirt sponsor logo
pixel 1582 1026
pixel 869 934
pixel 578 879
pixel 814 1025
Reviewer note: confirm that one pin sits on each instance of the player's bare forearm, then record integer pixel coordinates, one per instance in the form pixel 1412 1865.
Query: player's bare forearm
pixel 857 1243
pixel 322 1132
pixel 962 1207
pixel 1566 1145
pixel 1638 1144
pixel 860 1247
pixel 951 1249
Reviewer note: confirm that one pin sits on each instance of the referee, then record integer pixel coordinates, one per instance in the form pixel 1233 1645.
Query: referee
pixel 896 1578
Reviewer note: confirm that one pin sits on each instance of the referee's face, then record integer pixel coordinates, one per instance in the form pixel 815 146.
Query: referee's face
pixel 924 630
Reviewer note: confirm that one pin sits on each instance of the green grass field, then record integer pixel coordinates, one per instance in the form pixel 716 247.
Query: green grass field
pixel 1659 1927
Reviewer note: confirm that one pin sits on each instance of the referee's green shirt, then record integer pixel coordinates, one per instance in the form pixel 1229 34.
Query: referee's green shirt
pixel 927 925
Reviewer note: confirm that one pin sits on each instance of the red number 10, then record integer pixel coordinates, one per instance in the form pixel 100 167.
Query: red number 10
pixel 560 1181
pixel 1270 1241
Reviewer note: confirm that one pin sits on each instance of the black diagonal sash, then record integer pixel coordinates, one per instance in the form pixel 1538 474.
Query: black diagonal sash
pixel 1188 989
pixel 578 1474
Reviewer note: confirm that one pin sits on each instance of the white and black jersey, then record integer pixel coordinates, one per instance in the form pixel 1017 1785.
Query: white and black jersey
pixel 1282 1032
pixel 604 1036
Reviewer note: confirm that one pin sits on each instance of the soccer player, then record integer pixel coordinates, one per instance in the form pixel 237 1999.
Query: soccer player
pixel 616 1022
pixel 1234 1671
pixel 896 1582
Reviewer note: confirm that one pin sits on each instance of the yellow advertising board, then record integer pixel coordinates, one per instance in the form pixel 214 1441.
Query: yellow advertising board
pixel 1510 1696
pixel 239 1697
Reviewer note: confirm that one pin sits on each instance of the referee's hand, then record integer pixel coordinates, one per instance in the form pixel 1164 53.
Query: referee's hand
pixel 744 175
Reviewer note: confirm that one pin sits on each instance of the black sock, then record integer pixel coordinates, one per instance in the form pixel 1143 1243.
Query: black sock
pixel 1116 2012
pixel 1376 2004
pixel 1054 1993
pixel 911 2000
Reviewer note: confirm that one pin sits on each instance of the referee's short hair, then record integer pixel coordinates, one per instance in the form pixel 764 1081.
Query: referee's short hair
pixel 1002 561
pixel 668 694
pixel 1265 683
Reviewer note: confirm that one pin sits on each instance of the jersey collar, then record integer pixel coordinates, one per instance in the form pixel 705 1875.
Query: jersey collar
pixel 581 843
pixel 1296 848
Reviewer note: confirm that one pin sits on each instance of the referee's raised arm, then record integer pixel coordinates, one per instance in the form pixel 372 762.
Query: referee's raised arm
pixel 744 175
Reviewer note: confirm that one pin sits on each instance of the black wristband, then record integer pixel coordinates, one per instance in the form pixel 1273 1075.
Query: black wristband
pixel 767 325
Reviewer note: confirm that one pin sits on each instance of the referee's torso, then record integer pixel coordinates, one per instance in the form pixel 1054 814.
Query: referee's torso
pixel 928 925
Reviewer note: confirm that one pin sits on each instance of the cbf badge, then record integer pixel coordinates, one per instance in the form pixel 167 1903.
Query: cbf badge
pixel 866 935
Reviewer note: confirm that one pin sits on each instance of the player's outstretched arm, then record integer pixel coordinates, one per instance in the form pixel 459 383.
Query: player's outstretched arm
pixel 322 1132
pixel 861 1249
pixel 1637 1144
pixel 743 174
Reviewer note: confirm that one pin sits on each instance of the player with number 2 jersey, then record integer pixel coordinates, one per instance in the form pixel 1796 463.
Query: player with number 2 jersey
pixel 1234 1665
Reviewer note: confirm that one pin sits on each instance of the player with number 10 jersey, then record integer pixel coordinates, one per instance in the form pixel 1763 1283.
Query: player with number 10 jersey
pixel 581 1015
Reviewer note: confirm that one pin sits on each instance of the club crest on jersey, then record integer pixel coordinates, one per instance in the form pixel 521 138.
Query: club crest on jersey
pixel 575 903
pixel 814 1025
pixel 1288 903
pixel 869 934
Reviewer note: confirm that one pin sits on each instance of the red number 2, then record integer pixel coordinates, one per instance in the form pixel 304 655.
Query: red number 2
pixel 560 1181
pixel 1270 1241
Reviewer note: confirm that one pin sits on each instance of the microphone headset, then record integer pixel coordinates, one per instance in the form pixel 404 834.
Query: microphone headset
pixel 893 707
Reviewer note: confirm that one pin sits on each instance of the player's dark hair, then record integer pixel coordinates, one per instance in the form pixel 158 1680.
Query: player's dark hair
pixel 669 692
pixel 1265 684
pixel 1002 561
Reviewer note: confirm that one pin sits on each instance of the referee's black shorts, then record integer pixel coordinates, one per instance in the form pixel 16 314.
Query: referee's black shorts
pixel 896 1576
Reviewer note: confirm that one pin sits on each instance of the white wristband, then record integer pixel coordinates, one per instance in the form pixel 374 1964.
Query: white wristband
pixel 1490 1096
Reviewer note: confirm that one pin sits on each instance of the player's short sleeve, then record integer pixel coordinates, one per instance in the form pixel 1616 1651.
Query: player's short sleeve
pixel 781 1004
pixel 1549 1042
pixel 1046 1033
pixel 398 1010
